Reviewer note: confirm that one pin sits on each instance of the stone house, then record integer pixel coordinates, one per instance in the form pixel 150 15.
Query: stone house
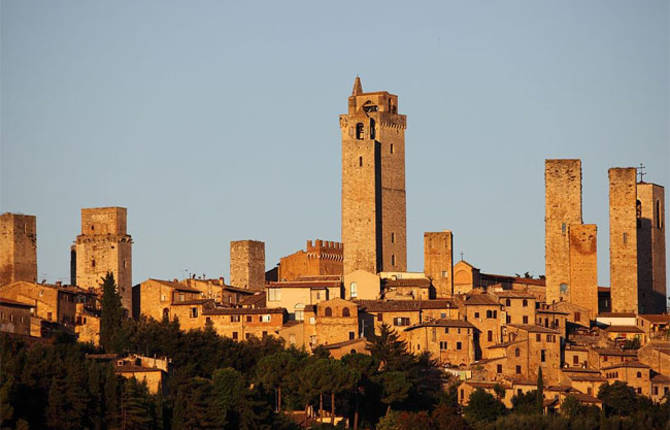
pixel 448 341
pixel 15 317
pixel 518 307
pixel 243 323
pixel 156 297
pixel 533 347
pixel 484 311
pixel 295 295
pixel 633 373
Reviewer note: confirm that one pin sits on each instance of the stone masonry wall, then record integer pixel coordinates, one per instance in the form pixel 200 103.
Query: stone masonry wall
pixel 247 264
pixel 651 248
pixel 623 239
pixel 18 248
pixel 584 266
pixel 563 207
pixel 438 261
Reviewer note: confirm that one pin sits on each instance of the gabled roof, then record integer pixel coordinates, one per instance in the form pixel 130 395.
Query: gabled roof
pixel 175 285
pixel 656 318
pixel 394 283
pixel 253 300
pixel 313 285
pixel 442 323
pixel 632 364
pixel 624 329
pixel 193 302
pixel 481 299
pixel 242 311
pixel 534 328
pixel 404 305
pixel 14 303
pixel 513 294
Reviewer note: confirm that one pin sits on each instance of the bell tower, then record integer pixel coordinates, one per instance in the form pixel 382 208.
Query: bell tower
pixel 373 183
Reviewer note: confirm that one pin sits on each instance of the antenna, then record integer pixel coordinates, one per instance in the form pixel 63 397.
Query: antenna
pixel 641 172
pixel 461 255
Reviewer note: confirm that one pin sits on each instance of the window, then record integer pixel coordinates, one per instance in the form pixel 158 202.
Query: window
pixel 518 371
pixel 318 295
pixel 525 319
pixel 265 318
pixel 589 391
pixel 639 374
pixel 538 337
pixel 352 335
pixel 639 390
pixel 249 318
pixel 400 321
pixel 391 148
pixel 563 228
pixel 517 352
pixel 489 314
pixel 508 319
pixel 550 338
pixel 49 315
pixel 234 335
pixel 564 288
pixel 359 131
pixel 476 314
pixel 392 237
pixel 247 336
pixel 543 356
pixel 208 320
pixel 443 345
pixel 578 316
pixel 446 330
pixel 445 274
pixel 499 368
pixel 265 334
pixel 656 391
pixel 372 127
pixel 392 259
pixel 380 317
pixel 346 312
pixel 181 297
pixel 274 294
pixel 625 238
pixel 508 302
pixel 524 303
pixel 353 290
pixel 459 346
pixel 360 161
pixel 92 263
pixel 328 312
pixel 658 214
pixel 575 359
pixel 604 358
pixel 194 312
pixel 163 297
pixel 489 336
pixel 236 318
pixel 312 320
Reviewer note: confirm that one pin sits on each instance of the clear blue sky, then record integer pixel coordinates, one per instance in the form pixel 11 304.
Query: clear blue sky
pixel 217 121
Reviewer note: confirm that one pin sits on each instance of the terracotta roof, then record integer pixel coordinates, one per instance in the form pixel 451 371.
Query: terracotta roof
pixel 14 303
pixel 320 278
pixel 534 328
pixel 304 284
pixel 586 377
pixel 633 364
pixel 484 384
pixel 660 379
pixel 585 398
pixel 615 351
pixel 481 299
pixel 404 305
pixel 512 294
pixel 624 329
pixel 175 285
pixel 237 289
pixel 549 311
pixel 442 323
pixel 656 318
pixel 136 369
pixel 254 300
pixel 242 311
pixel 514 279
pixel 341 344
pixel 504 344
pixel 420 282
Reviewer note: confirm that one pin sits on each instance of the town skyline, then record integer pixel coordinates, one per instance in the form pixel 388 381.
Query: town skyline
pixel 212 182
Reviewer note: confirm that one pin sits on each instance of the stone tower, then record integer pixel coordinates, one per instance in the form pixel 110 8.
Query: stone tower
pixel 623 239
pixel 438 261
pixel 247 264
pixel 651 248
pixel 563 207
pixel 584 265
pixel 373 183
pixel 18 248
pixel 104 246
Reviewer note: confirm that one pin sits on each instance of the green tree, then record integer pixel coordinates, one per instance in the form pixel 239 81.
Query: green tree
pixel 483 407
pixel 389 349
pixel 525 403
pixel 540 392
pixel 341 379
pixel 229 396
pixel 395 388
pixel 618 398
pixel 571 407
pixel 111 321
pixel 275 371
pixel 136 407
pixel 363 368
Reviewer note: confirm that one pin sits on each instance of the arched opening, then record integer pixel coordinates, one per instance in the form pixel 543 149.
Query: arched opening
pixel 359 131
pixel 345 312
pixel 328 312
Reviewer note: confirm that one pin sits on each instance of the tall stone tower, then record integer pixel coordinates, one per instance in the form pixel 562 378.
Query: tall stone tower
pixel 563 207
pixel 373 183
pixel 623 239
pixel 18 248
pixel 651 248
pixel 104 246
pixel 438 261
pixel 247 264
pixel 584 266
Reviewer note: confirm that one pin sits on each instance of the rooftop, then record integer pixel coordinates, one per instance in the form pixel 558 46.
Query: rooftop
pixel 442 323
pixel 481 299
pixel 534 328
pixel 624 329
pixel 633 364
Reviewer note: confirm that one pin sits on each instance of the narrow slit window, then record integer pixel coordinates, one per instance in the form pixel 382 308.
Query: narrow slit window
pixel 392 259
pixel 360 161
pixel 372 128
pixel 359 131
pixel 391 148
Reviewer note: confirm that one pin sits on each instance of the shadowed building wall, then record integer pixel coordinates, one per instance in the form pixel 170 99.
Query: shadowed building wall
pixel 373 183
pixel 623 239
pixel 18 248
pixel 651 248
pixel 438 261
pixel 104 246
pixel 584 266
pixel 563 207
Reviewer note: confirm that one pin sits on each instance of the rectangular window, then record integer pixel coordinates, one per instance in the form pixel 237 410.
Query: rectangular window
pixel 392 259
pixel 234 335
pixel 392 237
pixel 476 314
pixel 265 318
pixel 234 318
pixel 489 336
pixel 499 368
pixel 458 345
pixel 550 338
pixel 446 330
pixel 249 318
pixel 434 335
pixel 247 336
pixel 274 294
pixel 391 148
pixel 401 321
pixel 352 335
pixel 525 319
pixel 578 316
pixel 380 317
pixel 543 356
pixel 575 359
pixel 538 337
pixel 625 238
pixel 518 370
pixel 265 334
pixel 194 312
pixel 508 319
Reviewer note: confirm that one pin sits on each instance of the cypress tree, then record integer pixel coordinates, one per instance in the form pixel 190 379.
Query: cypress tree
pixel 540 392
pixel 112 315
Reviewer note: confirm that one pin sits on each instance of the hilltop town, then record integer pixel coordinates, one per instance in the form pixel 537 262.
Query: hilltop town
pixel 486 331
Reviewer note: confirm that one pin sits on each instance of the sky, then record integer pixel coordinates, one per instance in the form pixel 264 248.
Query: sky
pixel 214 121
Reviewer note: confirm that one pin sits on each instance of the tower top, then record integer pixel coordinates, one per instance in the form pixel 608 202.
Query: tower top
pixel 358 87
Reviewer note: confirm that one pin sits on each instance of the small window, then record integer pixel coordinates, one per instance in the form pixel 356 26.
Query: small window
pixel 234 335
pixel 352 335
pixel 517 352
pixel 659 220
pixel 578 316
pixel 391 148
pixel 380 317
pixel 266 318
pixel 639 374
pixel 446 330
pixel 525 319
pixel 353 290
pixel 459 345
pixel 563 228
pixel 235 318
pixel 360 161
pixel 443 345
pixel 372 127
pixel 625 238
pixel 328 312
pixel 476 314
pixel 489 336
pixel 392 237
pixel 543 356
pixel 434 334
pixel 346 312
pixel 249 319
pixel 518 371
pixel 359 131
pixel 499 368
pixel 538 337
pixel 508 302
pixel 508 319
pixel 524 303
pixel 274 294
pixel 575 359
pixel 194 312
pixel 92 263
pixel 392 259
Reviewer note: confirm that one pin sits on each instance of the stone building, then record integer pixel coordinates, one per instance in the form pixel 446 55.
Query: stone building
pixel 438 261
pixel 448 341
pixel 18 248
pixel 563 207
pixel 373 183
pixel 319 258
pixel 517 307
pixel 484 311
pixel 583 274
pixel 247 264
pixel 295 295
pixel 15 317
pixel 157 296
pixel 623 239
pixel 651 248
pixel 103 246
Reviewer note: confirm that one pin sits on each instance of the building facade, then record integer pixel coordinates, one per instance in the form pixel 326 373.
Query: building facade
pixel 18 248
